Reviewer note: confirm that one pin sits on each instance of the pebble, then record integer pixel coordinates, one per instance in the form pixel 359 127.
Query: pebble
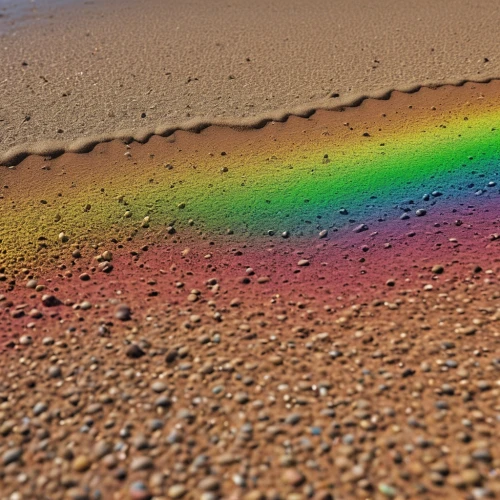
pixel 50 300
pixel 420 212
pixel 139 491
pixel 12 455
pixel 387 490
pixel 471 477
pixel 209 483
pixel 39 408
pixel 360 228
pixel 32 284
pixel 482 455
pixel 293 477
pixel 159 386
pixel 241 397
pixel 123 313
pixel 54 371
pixel 437 269
pixel 81 463
pixel 134 351
pixel 303 263
pixel 177 491
pixel 35 314
pixel 102 448
pixel 292 419
pixel 141 463
pixel 163 402
pixel 26 340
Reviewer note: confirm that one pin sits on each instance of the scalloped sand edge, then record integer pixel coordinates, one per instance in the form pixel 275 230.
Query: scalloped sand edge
pixel 52 149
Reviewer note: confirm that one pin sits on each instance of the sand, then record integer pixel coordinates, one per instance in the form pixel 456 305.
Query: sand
pixel 305 310
pixel 101 68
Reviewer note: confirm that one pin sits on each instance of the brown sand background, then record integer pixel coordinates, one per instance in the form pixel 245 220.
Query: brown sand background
pixel 121 65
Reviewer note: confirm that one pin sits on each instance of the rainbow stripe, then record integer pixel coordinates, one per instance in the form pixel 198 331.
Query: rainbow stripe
pixel 335 181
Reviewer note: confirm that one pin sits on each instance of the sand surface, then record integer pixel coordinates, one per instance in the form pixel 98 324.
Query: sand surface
pixel 102 67
pixel 309 310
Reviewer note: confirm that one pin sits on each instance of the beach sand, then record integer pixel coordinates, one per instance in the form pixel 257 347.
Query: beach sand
pixel 305 310
pixel 120 68
pixel 289 308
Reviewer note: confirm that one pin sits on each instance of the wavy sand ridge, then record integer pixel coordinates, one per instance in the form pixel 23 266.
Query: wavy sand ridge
pixel 305 310
pixel 52 149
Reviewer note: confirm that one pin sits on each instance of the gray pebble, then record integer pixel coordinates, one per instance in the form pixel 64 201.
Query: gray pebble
pixel 12 455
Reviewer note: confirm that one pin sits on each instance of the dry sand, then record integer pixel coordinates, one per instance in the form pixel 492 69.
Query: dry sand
pixel 104 67
pixel 152 366
pixel 201 395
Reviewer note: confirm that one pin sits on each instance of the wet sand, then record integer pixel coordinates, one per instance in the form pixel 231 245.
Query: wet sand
pixel 116 68
pixel 305 310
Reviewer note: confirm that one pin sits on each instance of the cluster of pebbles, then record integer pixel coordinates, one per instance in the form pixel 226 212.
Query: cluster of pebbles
pixel 254 400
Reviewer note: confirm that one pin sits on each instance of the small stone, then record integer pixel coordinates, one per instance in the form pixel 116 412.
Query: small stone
pixel 177 491
pixel 105 267
pixel 241 397
pixel 102 448
pixel 292 419
pixel 39 408
pixel 63 238
pixel 293 477
pixel 163 402
pixel 483 385
pixel 387 490
pixel 323 234
pixel 123 313
pixel 139 491
pixel 12 455
pixel 50 301
pixel 81 463
pixel 482 454
pixel 303 262
pixel 437 269
pixel 209 483
pixel 254 495
pixel 35 314
pixel 54 371
pixel 26 340
pixel 32 284
pixel 420 212
pixel 134 351
pixel 360 228
pixel 159 386
pixel 471 477
pixel 227 459
pixel 141 463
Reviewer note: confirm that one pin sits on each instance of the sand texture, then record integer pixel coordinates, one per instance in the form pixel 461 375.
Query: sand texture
pixel 122 68
pixel 309 310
